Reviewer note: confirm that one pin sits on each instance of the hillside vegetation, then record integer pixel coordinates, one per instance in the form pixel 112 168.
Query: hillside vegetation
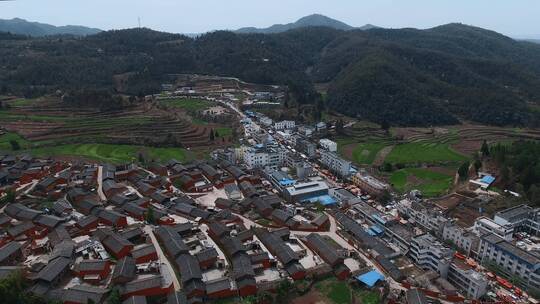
pixel 407 77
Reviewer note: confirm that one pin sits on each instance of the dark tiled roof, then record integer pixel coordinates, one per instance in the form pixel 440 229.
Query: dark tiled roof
pixel 327 252
pixel 218 285
pixel 142 284
pixel 116 243
pixel 90 265
pixel 20 229
pixel 176 298
pixel 242 267
pixel 125 268
pixel 83 294
pixel 54 269
pixel 189 268
pixel 135 300
pixel 142 250
pixel 207 254
pixel 8 250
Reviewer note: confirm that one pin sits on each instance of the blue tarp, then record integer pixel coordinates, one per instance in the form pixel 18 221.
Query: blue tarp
pixel 325 200
pixel 488 179
pixel 370 278
pixel 379 219
pixel 376 229
pixel 287 182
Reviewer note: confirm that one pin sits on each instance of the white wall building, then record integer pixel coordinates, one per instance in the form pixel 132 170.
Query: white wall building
pixel 484 225
pixel 284 125
pixel 264 158
pixel 328 145
pixel 336 164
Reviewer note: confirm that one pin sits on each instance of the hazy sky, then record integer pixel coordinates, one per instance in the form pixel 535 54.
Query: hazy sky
pixel 518 18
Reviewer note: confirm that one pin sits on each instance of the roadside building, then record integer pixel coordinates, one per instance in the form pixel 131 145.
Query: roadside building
pixel 336 164
pixel 328 145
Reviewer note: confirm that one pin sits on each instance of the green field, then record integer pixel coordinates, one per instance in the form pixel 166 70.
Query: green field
pixel 6 138
pixel 112 153
pixel 366 153
pixel 5 115
pixel 337 291
pixel 224 132
pixel 429 182
pixel 101 152
pixel 189 104
pixel 423 152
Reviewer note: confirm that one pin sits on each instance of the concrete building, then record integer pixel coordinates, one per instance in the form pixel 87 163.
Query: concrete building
pixel 303 191
pixel 328 145
pixel 430 254
pixel 369 183
pixel 469 281
pixel 336 164
pixel 522 218
pixel 510 260
pixel 284 125
pixel 307 147
pixel 464 239
pixel 484 225
pixel 426 216
pixel 258 157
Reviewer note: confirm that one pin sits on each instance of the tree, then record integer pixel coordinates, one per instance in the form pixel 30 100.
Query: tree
pixel 386 196
pixel 114 297
pixel 463 171
pixel 385 125
pixel 283 290
pixel 477 165
pixel 387 167
pixel 9 198
pixel 14 145
pixel 216 134
pixel 150 217
pixel 484 149
pixel 339 127
pixel 534 194
pixel 141 158
pixel 212 136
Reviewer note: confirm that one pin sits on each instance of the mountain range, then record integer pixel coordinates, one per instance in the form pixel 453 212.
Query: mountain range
pixel 307 21
pixel 443 75
pixel 36 29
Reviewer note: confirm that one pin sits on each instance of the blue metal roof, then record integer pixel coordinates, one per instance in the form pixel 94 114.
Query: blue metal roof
pixel 488 179
pixel 370 278
pixel 325 200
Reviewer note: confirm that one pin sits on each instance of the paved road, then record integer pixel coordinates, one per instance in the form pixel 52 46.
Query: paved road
pixel 162 257
pixel 100 184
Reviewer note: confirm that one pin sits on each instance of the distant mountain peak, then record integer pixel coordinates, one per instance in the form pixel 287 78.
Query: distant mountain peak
pixel 36 29
pixel 307 21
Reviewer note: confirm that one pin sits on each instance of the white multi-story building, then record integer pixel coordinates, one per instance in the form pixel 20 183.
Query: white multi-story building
pixel 484 225
pixel 470 282
pixel 426 216
pixel 512 261
pixel 284 125
pixel 264 157
pixel 336 164
pixel 522 218
pixel 430 254
pixel 266 121
pixel 464 239
pixel 328 145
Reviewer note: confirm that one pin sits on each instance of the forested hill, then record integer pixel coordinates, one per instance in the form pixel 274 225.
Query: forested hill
pixel 437 76
pixel 36 29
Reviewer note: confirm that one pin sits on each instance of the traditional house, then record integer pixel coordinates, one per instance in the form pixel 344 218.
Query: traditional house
pixel 93 271
pixel 117 245
pixel 124 271
pixel 144 253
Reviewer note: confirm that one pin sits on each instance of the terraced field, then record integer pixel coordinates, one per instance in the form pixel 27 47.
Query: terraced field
pixel 431 183
pixel 415 148
pixel 50 126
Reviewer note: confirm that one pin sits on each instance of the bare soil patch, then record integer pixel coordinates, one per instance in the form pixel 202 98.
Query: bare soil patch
pixel 312 297
pixel 381 155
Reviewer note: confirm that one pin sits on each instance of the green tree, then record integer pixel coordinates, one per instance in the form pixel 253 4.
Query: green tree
pixel 534 194
pixel 386 196
pixel 387 167
pixel 463 171
pixel 283 290
pixel 114 297
pixel 9 197
pixel 150 217
pixel 216 134
pixel 339 127
pixel 484 149
pixel 14 145
pixel 212 136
